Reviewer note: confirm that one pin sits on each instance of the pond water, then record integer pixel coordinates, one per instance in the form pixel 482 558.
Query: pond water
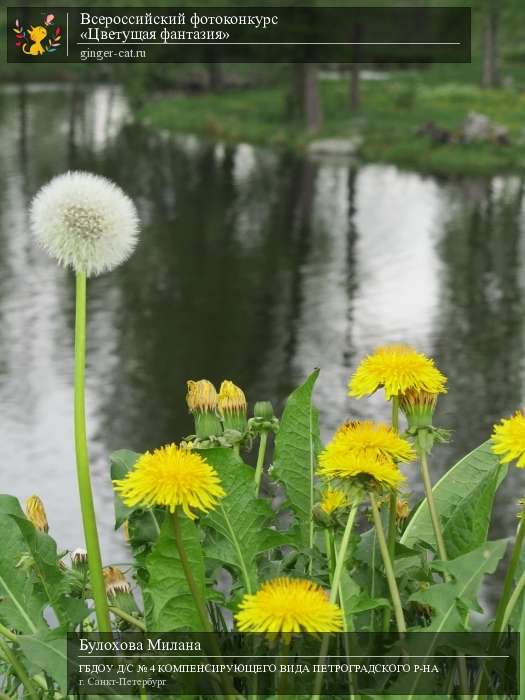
pixel 253 266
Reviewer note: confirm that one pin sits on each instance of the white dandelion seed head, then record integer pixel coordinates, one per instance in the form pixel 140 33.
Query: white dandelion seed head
pixel 85 221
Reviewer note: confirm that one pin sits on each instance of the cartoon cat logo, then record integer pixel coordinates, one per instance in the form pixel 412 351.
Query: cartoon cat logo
pixel 32 41
pixel 37 36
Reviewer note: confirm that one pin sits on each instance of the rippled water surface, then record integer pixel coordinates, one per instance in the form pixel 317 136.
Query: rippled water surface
pixel 255 266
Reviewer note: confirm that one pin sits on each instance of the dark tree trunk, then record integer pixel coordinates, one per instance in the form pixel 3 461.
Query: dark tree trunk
pixel 215 76
pixel 355 96
pixel 491 65
pixel 305 101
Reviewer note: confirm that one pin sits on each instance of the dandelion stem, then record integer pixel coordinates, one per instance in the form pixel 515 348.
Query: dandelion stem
pixel 128 618
pixel 285 652
pixel 199 602
pixel 389 570
pixel 19 670
pixel 434 516
pixel 442 552
pixel 329 554
pixel 186 566
pixel 512 602
pixel 341 555
pixel 509 576
pixel 395 413
pixel 334 590
pixel 263 442
pixel 7 633
pixel 502 616
pixel 392 511
pixel 84 479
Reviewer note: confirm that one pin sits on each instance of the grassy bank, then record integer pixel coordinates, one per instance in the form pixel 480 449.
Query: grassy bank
pixel 391 112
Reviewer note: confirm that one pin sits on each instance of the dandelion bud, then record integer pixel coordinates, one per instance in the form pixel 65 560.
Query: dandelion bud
pixel 79 559
pixel 264 410
pixel 119 593
pixel 402 509
pixel 418 407
pixel 36 513
pixel 115 581
pixel 85 221
pixel 332 500
pixel 202 402
pixel 233 407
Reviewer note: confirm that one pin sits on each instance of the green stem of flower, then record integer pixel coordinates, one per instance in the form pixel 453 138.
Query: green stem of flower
pixel 186 567
pixel 521 630
pixel 84 479
pixel 18 669
pixel 127 618
pixel 285 652
pixel 7 633
pixel 341 555
pixel 503 615
pixel 512 602
pixel 329 554
pixel 389 569
pixel 509 576
pixel 198 600
pixel 434 515
pixel 334 590
pixel 395 413
pixel 263 442
pixel 392 507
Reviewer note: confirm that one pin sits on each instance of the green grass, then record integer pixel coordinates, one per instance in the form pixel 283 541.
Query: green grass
pixel 390 114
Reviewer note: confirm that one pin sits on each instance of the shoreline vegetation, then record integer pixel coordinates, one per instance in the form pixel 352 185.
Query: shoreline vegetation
pixel 383 129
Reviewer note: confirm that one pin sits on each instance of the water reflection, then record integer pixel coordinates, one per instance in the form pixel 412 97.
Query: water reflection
pixel 254 266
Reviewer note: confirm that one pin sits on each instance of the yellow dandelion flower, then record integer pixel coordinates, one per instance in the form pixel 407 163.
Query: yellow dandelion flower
pixel 201 396
pixel 365 449
pixel 333 499
pixel 367 440
pixel 383 471
pixel 171 477
pixel 397 368
pixel 36 513
pixel 289 605
pixel 508 439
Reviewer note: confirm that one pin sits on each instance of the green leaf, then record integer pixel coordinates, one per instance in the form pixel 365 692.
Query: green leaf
pixel 353 601
pixel 240 517
pixel 451 600
pixel 121 463
pixel 297 446
pixel 48 652
pixel 464 498
pixel 173 607
pixel 30 578
pixel 21 599
pixel 43 564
